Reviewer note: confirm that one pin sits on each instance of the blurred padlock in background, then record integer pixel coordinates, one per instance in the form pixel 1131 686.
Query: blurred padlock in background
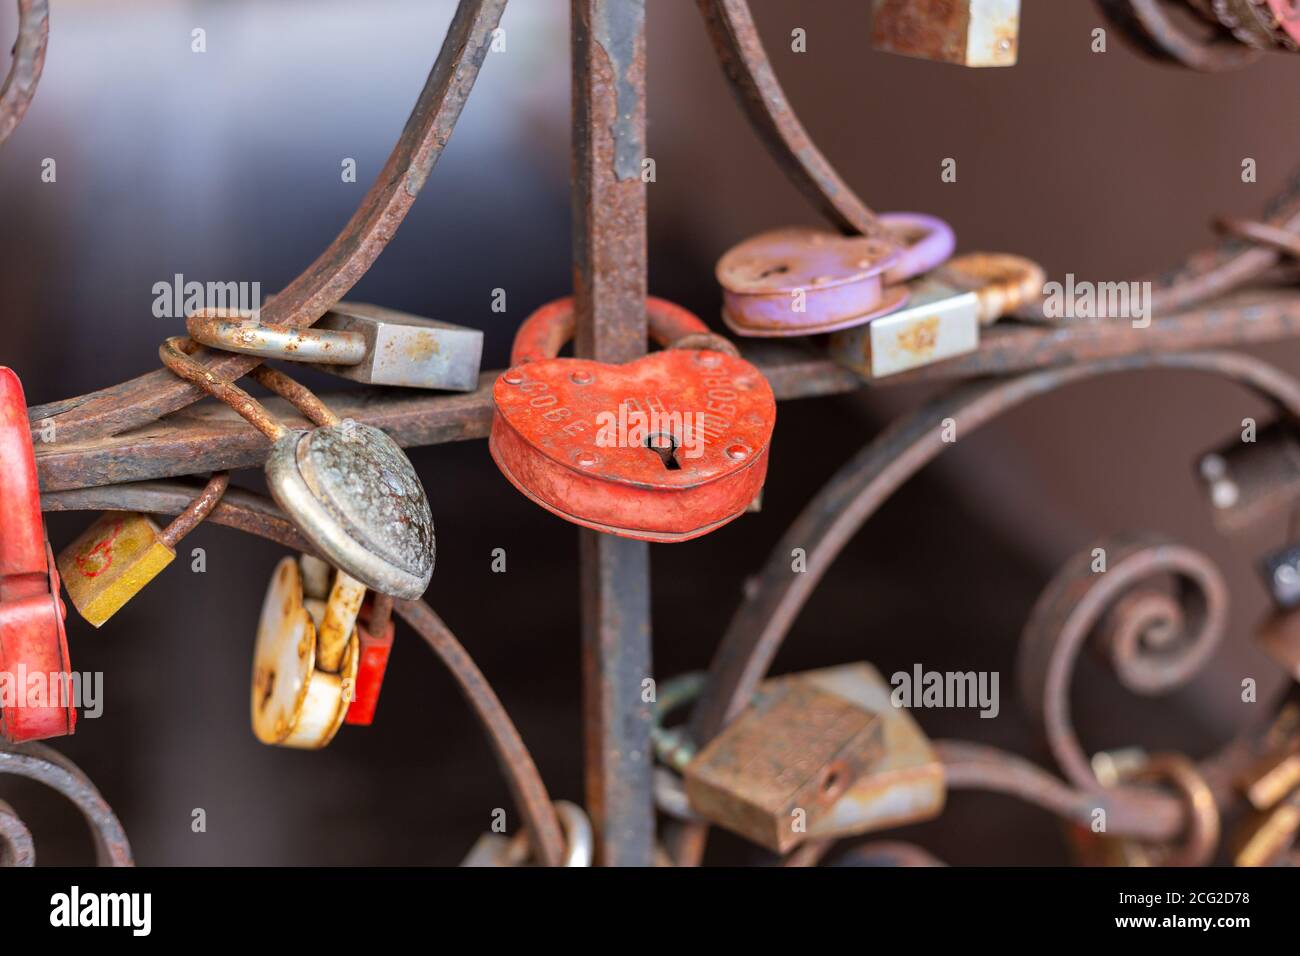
pixel 226 166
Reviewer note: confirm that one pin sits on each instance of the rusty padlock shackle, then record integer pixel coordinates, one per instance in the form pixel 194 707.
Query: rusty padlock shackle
pixel 248 335
pixel 547 330
pixel 175 356
pixel 198 510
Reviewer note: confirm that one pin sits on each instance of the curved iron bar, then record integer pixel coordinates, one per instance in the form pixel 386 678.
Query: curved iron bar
pixel 44 765
pixel 257 515
pixel 1202 276
pixel 322 284
pixel 1153 642
pixel 861 486
pixel 754 83
pixel 16 845
pixel 28 62
pixel 1148 24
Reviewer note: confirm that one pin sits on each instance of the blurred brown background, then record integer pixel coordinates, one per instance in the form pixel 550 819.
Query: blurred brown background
pixel 225 166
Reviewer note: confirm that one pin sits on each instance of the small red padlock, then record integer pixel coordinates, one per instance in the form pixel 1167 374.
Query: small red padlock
pixel 35 693
pixel 375 649
pixel 666 448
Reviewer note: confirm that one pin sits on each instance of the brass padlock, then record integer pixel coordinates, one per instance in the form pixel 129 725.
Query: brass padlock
pixel 1264 837
pixel 965 32
pixel 818 755
pixel 113 559
pixel 1272 787
pixel 296 703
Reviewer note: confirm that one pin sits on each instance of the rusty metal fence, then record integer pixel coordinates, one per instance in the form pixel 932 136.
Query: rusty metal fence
pixel 130 447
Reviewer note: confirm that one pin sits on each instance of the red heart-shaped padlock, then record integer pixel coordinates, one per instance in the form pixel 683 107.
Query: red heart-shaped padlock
pixel 665 448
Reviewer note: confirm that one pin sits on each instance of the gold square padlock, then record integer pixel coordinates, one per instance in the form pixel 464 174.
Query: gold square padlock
pixel 111 562
pixel 113 559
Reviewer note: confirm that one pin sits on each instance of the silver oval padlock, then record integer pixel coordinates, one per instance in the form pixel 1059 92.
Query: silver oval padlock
pixel 348 487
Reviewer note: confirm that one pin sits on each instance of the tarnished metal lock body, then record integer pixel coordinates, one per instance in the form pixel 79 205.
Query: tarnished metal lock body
pixel 1249 483
pixel 976 33
pixel 364 343
pixel 666 448
pixel 943 318
pixel 802 281
pixel 903 782
pixel 32 639
pixel 295 703
pixel 348 487
pixel 112 560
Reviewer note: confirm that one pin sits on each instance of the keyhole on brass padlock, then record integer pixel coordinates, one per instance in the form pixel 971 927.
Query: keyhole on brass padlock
pixel 665 446
pixel 774 271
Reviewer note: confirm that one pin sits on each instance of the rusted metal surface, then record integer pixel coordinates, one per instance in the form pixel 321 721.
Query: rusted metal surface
pixel 28 60
pixel 835 515
pixel 1166 31
pixel 779 768
pixel 205 439
pixel 525 782
pixel 1155 637
pixel 328 279
pixel 609 287
pixel 346 484
pixel 16 845
pixel 1153 647
pixel 44 765
pixel 978 33
pixel 753 81
pixel 258 515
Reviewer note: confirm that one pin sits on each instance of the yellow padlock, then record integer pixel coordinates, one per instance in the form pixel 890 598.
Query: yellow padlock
pixel 120 553
pixel 297 702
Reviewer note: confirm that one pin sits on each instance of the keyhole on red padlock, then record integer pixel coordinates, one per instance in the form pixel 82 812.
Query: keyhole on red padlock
pixel 665 446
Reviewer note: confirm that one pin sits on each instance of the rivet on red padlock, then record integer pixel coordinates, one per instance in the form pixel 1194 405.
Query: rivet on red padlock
pixel 376 647
pixel 666 448
pixel 32 641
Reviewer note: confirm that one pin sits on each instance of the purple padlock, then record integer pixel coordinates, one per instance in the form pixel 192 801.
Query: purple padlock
pixel 803 281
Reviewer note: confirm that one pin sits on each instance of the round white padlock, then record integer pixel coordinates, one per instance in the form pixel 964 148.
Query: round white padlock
pixel 295 704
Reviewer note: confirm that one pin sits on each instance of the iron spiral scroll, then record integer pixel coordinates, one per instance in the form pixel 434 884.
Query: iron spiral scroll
pixel 1156 615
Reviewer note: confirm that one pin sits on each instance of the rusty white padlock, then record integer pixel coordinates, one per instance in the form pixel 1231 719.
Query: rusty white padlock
pixel 305 659
pixel 943 317
pixel 497 849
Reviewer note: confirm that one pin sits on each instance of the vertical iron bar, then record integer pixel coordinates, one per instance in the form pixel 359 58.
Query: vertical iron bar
pixel 609 282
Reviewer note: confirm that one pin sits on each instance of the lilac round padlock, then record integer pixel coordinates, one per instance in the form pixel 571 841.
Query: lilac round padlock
pixel 804 281
pixel 927 242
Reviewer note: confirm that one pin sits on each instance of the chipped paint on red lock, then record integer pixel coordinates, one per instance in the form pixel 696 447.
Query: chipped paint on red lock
pixel 576 436
pixel 32 638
